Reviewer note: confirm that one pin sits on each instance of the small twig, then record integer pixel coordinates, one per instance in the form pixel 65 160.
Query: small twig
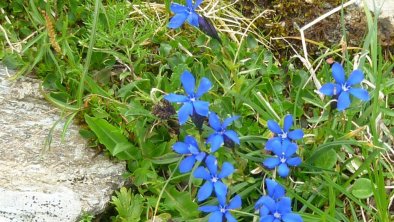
pixel 305 61
pixel 8 40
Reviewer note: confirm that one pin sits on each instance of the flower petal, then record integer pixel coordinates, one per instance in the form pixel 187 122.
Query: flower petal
pixel 216 142
pixel 290 149
pixel 175 98
pixel 280 149
pixel 221 198
pixel 355 77
pixel 328 89
pixel 177 20
pixel 263 211
pixel 283 170
pixel 274 127
pixel 361 94
pixel 188 82
pixel 229 217
pixel 343 101
pixel 267 202
pixel 204 86
pixel 184 112
pixel 208 208
pixel 191 140
pixel 296 134
pixel 193 19
pixel 177 8
pixel 227 170
pixel 181 148
pixel 288 123
pixel 201 172
pixel 295 161
pixel 284 205
pixel 228 121
pixel 193 150
pixel 338 73
pixel 235 203
pixel 216 216
pixel 200 156
pixel 220 189
pixel 201 107
pixel 212 164
pixel 292 217
pixel 189 3
pixel 187 164
pixel 232 135
pixel 268 218
pixel 272 143
pixel 214 121
pixel 271 162
pixel 205 191
pixel 274 189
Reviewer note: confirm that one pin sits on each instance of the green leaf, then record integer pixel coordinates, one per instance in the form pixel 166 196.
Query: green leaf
pixel 362 188
pixel 113 139
pixel 327 160
pixel 128 205
pixel 166 159
pixel 181 202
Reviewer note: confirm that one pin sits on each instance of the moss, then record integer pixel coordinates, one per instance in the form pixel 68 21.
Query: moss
pixel 287 15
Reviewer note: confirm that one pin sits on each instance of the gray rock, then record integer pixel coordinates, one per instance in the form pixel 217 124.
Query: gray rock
pixel 37 184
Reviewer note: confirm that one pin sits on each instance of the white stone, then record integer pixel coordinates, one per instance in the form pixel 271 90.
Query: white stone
pixel 36 184
pixel 386 7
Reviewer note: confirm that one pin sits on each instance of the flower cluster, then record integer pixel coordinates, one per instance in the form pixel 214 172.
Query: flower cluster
pixel 342 89
pixel 275 207
pixel 283 147
pixel 195 108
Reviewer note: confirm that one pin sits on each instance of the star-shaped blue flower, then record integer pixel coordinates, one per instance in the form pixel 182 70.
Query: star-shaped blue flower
pixel 191 102
pixel 218 213
pixel 277 211
pixel 184 13
pixel 283 134
pixel 284 157
pixel 213 178
pixel 190 149
pixel 342 88
pixel 221 134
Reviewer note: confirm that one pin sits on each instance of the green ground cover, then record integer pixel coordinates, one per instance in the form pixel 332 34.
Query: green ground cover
pixel 109 64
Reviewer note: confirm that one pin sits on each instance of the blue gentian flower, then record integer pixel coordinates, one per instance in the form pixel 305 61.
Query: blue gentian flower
pixel 213 178
pixel 277 211
pixel 191 150
pixel 284 157
pixel 275 207
pixel 191 103
pixel 184 13
pixel 342 88
pixel 283 134
pixel 218 213
pixel 221 134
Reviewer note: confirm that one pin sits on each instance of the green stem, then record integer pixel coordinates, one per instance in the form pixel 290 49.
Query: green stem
pixel 243 213
pixel 164 188
pixel 89 54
